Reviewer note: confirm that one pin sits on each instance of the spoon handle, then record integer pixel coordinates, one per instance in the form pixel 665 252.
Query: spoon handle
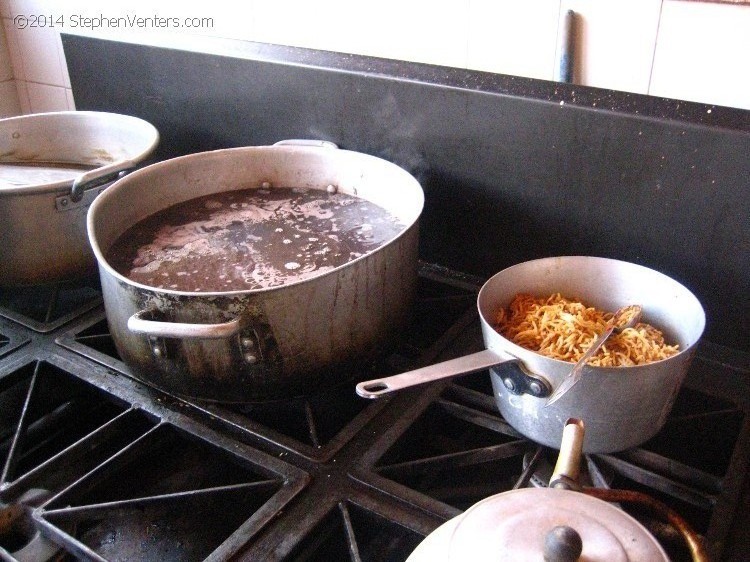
pixel 575 373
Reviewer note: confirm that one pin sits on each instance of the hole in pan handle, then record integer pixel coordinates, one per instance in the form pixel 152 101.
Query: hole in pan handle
pixel 447 369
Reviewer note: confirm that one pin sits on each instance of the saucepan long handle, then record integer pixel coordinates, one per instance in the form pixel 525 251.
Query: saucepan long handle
pixel 451 368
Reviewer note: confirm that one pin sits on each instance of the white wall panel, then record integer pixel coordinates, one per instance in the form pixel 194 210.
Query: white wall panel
pixel 702 53
pixel 687 50
pixel 515 37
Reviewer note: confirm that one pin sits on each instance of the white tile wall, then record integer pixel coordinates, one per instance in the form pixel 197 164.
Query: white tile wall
pixel 37 59
pixel 702 53
pixel 415 30
pixel 617 42
pixel 687 50
pixel 43 97
pixel 11 44
pixel 6 68
pixel 516 38
pixel 22 90
pixel 9 105
pixel 38 53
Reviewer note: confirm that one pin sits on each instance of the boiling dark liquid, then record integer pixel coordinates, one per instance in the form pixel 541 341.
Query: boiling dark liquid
pixel 250 239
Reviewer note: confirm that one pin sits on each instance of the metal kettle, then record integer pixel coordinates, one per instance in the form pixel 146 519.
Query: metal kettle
pixel 554 524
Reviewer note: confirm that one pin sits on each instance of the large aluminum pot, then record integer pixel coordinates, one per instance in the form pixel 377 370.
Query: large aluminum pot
pixel 52 166
pixel 260 344
pixel 622 406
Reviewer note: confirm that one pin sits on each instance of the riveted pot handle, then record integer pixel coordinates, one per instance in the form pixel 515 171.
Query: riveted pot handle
pixel 138 324
pixel 99 176
pixel 511 371
pixel 306 142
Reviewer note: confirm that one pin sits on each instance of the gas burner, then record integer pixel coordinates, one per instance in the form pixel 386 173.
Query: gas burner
pixel 45 410
pixel 43 308
pixel 184 502
pixel 314 426
pixel 452 456
pixel 19 535
pixel 124 476
pixel 458 450
pixel 317 425
pixel 351 527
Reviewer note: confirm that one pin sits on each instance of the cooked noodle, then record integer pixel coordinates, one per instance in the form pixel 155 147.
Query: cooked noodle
pixel 565 328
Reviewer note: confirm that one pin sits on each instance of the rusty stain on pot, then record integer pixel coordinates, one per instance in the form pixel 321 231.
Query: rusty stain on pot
pixel 20 156
pixel 101 154
pixel 97 157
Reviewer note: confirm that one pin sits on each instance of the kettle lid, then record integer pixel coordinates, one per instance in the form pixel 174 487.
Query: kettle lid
pixel 541 524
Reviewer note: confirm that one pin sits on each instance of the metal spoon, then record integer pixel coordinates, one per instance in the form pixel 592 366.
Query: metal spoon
pixel 625 317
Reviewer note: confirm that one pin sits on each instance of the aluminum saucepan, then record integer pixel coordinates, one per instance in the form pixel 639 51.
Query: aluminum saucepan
pixel 268 343
pixel 52 166
pixel 623 406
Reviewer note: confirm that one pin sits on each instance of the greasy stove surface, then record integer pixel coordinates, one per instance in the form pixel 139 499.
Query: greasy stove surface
pixel 98 466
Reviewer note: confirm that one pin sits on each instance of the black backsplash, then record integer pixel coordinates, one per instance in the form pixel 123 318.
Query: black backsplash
pixel 512 168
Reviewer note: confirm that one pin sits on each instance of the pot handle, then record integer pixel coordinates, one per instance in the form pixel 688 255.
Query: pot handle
pixel 568 465
pixel 99 176
pixel 138 324
pixel 306 142
pixel 452 368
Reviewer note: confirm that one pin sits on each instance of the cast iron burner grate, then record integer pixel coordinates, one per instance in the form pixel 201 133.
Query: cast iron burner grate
pixel 108 479
pixel 11 339
pixel 317 425
pixel 309 425
pixel 98 466
pixel 459 450
pixel 376 538
pixel 44 308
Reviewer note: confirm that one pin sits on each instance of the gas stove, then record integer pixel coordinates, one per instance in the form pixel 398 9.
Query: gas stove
pixel 98 466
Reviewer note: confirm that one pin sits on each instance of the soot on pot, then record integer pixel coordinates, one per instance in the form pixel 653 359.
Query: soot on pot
pixel 250 239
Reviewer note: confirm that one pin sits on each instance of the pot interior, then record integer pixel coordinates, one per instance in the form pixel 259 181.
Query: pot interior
pixel 47 151
pixel 162 185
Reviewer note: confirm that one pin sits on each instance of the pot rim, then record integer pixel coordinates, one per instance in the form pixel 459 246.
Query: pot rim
pixel 102 198
pixel 150 141
pixel 519 352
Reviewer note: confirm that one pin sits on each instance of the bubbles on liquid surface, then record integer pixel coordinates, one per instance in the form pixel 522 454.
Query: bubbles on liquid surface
pixel 249 239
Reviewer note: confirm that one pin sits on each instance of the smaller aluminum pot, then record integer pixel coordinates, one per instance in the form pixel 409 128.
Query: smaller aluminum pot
pixel 623 406
pixel 52 166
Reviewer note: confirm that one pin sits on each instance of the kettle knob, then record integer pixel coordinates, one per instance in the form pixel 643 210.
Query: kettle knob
pixel 562 544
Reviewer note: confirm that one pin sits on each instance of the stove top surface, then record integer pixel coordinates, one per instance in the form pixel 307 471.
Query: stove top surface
pixel 98 466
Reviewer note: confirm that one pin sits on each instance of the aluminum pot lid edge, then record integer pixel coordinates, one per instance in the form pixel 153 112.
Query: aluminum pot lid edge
pixel 513 525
